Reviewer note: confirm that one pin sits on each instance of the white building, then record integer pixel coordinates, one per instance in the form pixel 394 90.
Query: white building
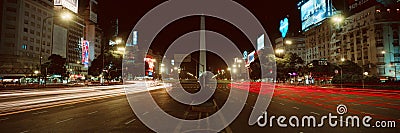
pixel 21 36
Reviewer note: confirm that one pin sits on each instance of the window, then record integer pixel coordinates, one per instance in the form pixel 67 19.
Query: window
pixel 32 40
pixel 37 48
pixel 10 35
pixel 24 46
pixel 11 18
pixel 11 9
pixel 33 16
pixel 12 1
pixel 25 38
pixel 26 22
pixel 10 27
pixel 381 70
pixel 27 5
pixel 30 47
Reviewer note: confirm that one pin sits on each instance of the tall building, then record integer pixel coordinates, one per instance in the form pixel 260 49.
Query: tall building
pixel 22 42
pixel 93 33
pixel 294 45
pixel 369 38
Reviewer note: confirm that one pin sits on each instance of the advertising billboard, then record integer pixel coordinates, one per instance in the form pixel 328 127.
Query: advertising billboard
pixel 251 57
pixel 60 41
pixel 134 37
pixel 85 53
pixel 260 42
pixel 313 12
pixel 69 4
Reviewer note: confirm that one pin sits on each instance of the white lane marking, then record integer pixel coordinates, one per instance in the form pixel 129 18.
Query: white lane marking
pixel 68 107
pixel 93 112
pixel 281 104
pixel 314 113
pixel 368 113
pixel 40 112
pixel 273 101
pixel 382 108
pixel 25 131
pixel 355 104
pixel 64 120
pixel 126 123
pixel 145 113
pixel 296 108
pixel 4 119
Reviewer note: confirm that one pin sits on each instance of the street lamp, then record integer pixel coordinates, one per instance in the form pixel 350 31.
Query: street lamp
pixel 288 42
pixel 394 65
pixel 64 16
pixel 279 51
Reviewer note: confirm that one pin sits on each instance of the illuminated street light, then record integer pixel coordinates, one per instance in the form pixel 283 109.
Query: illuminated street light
pixel 36 72
pixel 121 49
pixel 66 16
pixel 229 69
pixel 383 52
pixel 279 51
pixel 288 42
pixel 337 19
pixel 343 59
pixel 234 70
pixel 366 73
pixel 118 41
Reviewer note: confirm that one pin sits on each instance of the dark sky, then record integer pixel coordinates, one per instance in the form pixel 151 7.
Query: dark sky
pixel 129 12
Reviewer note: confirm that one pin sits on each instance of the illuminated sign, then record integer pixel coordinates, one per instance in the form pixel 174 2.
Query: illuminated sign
pixel 359 5
pixel 284 27
pixel 69 4
pixel 135 37
pixel 85 53
pixel 313 12
pixel 251 57
pixel 260 42
pixel 245 54
pixel 149 66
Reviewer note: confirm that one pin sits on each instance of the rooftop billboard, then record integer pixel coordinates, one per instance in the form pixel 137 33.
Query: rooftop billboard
pixel 69 4
pixel 313 12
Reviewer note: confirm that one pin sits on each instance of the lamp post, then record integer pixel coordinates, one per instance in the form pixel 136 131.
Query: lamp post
pixel 64 16
pixel 338 19
pixel 395 67
pixel 279 51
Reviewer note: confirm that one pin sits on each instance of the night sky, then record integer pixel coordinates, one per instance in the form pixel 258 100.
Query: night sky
pixel 269 13
pixel 129 12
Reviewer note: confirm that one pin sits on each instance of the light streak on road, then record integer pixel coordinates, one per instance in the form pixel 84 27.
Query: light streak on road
pixel 18 102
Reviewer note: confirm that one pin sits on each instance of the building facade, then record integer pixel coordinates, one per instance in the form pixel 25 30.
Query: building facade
pixel 369 38
pixel 294 45
pixel 22 43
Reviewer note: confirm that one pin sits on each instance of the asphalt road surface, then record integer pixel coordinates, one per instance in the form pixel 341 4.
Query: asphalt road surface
pixel 106 108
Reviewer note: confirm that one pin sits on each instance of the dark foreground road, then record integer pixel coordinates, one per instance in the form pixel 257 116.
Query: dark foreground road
pixel 113 113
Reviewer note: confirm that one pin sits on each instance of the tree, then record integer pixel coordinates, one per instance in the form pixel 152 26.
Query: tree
pixel 55 66
pixel 320 69
pixel 290 63
pixel 112 66
pixel 353 73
